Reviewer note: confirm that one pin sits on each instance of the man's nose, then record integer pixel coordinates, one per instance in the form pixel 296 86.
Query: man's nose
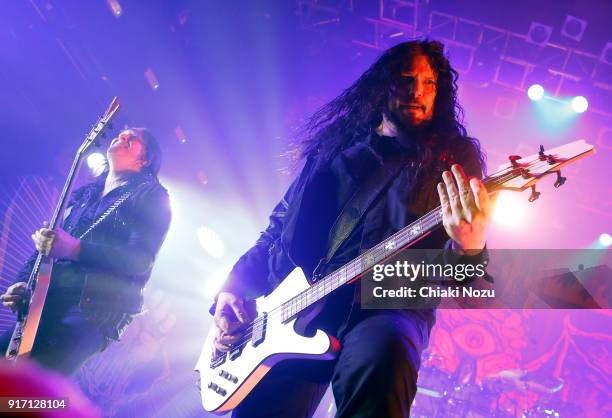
pixel 419 89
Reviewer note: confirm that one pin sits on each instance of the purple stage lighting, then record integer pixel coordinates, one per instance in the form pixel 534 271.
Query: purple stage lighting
pixel 535 92
pixel 580 104
pixel 605 239
pixel 211 241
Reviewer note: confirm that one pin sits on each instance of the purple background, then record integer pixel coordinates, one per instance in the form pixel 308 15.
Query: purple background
pixel 233 80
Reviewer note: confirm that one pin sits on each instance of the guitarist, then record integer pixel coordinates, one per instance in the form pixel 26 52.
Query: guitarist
pixel 403 108
pixel 97 281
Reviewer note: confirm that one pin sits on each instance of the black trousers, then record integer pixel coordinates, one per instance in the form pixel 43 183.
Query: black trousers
pixel 374 375
pixel 65 339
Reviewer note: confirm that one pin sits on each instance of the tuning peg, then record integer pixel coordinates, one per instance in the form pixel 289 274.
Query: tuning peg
pixel 534 195
pixel 541 153
pixel 513 160
pixel 560 180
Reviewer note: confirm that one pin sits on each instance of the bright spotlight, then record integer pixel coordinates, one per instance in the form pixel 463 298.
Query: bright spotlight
pixel 605 239
pixel 215 282
pixel 96 162
pixel 509 210
pixel 580 104
pixel 535 92
pixel 211 242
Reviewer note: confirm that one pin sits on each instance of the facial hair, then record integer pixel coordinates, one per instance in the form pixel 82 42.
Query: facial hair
pixel 408 133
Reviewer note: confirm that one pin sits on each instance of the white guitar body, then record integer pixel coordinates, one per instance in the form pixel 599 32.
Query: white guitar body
pixel 224 386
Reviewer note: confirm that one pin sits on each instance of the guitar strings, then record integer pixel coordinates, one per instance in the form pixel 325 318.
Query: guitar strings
pixel 425 221
pixel 247 336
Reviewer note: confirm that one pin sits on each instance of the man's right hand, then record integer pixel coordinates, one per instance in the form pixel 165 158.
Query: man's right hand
pixel 13 297
pixel 232 316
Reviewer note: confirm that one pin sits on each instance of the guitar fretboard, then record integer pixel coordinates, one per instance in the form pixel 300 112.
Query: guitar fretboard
pixel 389 247
pixel 375 255
pixel 520 174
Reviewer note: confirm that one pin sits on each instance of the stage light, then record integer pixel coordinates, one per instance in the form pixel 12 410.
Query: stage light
pixel 539 33
pixel 605 239
pixel 96 162
pixel 509 210
pixel 211 242
pixel 573 28
pixel 215 281
pixel 151 79
pixel 535 92
pixel 115 7
pixel 580 104
pixel 180 134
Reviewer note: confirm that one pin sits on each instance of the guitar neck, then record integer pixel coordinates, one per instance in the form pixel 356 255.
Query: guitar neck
pixel 357 267
pixel 518 175
pixel 58 214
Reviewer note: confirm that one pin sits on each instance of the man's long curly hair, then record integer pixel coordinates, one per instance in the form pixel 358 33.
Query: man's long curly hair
pixel 360 107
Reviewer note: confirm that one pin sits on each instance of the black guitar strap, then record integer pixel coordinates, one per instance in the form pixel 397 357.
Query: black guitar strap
pixel 360 202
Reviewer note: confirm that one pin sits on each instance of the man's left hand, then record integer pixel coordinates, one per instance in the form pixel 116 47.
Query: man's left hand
pixel 466 210
pixel 56 243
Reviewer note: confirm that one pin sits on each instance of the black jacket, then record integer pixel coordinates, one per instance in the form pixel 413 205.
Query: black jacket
pixel 117 256
pixel 282 246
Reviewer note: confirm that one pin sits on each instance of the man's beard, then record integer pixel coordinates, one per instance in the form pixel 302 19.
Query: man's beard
pixel 404 129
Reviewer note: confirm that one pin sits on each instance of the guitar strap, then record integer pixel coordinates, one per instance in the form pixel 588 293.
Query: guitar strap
pixel 120 200
pixel 360 202
pixel 107 212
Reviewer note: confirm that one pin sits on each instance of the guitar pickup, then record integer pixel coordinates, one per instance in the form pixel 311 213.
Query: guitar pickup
pixel 217 389
pixel 259 330
pixel 218 359
pixel 228 376
pixel 235 353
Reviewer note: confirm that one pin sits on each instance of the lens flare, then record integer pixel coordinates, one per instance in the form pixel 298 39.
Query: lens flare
pixel 605 239
pixel 96 162
pixel 510 210
pixel 211 242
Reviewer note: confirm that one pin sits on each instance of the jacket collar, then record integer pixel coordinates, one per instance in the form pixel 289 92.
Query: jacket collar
pixel 363 157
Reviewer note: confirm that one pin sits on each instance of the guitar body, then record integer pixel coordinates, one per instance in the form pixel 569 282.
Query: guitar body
pixel 26 327
pixel 225 383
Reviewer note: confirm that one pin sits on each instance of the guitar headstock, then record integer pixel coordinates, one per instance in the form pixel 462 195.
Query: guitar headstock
pixel 102 123
pixel 522 173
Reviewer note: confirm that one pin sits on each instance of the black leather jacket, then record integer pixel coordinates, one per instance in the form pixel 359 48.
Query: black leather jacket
pixel 117 256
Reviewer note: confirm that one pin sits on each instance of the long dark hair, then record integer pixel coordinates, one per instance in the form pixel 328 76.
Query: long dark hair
pixel 153 152
pixel 360 107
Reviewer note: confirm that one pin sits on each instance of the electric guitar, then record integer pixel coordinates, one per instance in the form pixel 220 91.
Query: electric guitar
pixel 28 317
pixel 277 333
